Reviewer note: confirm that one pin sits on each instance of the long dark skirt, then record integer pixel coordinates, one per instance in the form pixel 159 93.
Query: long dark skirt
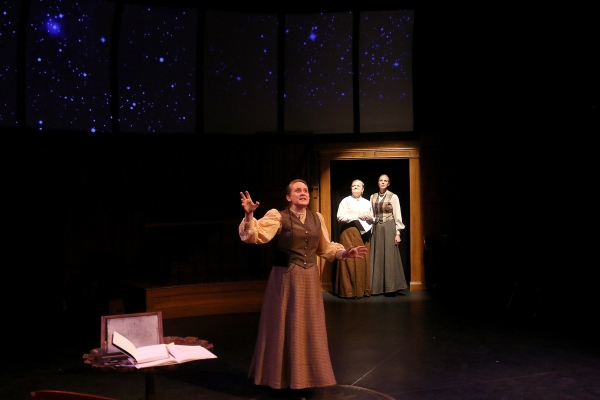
pixel 353 275
pixel 292 350
pixel 388 272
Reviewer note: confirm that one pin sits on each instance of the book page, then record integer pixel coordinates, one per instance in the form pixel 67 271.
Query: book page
pixel 152 353
pixel 156 363
pixel 179 354
pixel 124 345
pixel 184 353
pixel 140 354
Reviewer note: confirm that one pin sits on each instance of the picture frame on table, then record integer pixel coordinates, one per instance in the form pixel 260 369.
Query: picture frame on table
pixel 142 329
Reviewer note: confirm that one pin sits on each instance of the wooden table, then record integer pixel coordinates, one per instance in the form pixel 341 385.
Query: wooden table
pixel 122 365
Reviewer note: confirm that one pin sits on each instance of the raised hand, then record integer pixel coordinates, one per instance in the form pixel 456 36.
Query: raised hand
pixel 247 204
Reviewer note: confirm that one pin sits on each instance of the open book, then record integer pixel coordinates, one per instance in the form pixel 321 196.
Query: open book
pixel 159 354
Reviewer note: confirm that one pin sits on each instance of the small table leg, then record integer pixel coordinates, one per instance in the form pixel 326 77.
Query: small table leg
pixel 150 394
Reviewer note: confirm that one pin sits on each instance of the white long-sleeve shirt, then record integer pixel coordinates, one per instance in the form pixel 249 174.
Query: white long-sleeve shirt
pixel 351 208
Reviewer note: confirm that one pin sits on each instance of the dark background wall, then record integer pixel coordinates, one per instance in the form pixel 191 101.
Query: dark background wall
pixel 506 110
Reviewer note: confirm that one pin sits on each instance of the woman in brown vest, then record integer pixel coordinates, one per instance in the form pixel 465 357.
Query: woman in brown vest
pixel 292 350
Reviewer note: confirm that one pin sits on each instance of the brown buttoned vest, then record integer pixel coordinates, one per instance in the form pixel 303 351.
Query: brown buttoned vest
pixel 299 240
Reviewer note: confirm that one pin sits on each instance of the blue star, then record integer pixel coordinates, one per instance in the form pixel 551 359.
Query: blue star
pixel 53 27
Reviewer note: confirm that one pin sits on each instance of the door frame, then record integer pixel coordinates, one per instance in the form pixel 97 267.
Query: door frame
pixel 369 151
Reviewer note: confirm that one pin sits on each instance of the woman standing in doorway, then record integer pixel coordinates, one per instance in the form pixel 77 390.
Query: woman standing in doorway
pixel 355 215
pixel 388 273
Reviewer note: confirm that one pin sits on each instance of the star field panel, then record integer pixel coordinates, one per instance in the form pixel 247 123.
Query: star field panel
pixel 240 72
pixel 9 23
pixel 385 71
pixel 318 73
pixel 157 70
pixel 67 65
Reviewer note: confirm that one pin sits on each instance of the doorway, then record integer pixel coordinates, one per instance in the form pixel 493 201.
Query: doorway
pixel 343 172
pixel 342 163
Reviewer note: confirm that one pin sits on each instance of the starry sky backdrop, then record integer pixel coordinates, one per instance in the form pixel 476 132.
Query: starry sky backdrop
pixel 163 51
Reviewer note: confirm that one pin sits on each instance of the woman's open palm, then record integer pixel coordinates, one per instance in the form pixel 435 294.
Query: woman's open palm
pixel 247 204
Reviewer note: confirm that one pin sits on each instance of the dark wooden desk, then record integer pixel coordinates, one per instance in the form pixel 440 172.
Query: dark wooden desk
pixel 122 365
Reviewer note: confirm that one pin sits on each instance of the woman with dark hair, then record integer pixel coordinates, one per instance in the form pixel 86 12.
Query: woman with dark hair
pixel 291 349
pixel 355 216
